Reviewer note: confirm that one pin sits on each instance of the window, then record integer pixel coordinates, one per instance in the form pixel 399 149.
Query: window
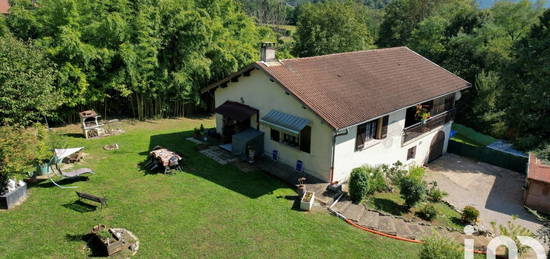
pixel 301 141
pixel 411 153
pixel 275 135
pixel 291 140
pixel 375 129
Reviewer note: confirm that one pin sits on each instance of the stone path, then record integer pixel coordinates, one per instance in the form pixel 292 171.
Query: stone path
pixel 217 154
pixel 387 223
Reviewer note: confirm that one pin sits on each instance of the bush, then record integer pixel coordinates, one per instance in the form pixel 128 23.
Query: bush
pixel 412 191
pixel 377 182
pixel 437 247
pixel 394 173
pixel 19 150
pixel 417 172
pixel 470 214
pixel 435 194
pixel 358 184
pixel 427 212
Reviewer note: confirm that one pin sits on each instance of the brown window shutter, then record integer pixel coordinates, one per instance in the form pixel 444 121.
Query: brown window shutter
pixel 361 136
pixel 305 139
pixel 382 127
pixel 385 122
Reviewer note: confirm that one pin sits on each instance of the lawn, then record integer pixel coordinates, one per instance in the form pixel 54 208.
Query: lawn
pixel 469 136
pixel 210 210
pixel 391 202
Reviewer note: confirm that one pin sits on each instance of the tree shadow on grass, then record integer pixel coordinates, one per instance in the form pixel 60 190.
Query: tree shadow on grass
pixel 80 206
pixel 93 243
pixel 251 184
pixel 389 206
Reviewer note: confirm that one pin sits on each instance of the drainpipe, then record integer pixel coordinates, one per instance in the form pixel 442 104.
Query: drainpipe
pixel 333 151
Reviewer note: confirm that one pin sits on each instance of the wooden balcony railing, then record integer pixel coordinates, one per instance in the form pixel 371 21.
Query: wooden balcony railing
pixel 420 128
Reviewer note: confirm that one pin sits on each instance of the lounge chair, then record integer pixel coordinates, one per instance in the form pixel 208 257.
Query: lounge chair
pixel 81 172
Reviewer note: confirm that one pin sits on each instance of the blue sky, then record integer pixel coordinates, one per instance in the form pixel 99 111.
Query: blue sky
pixel 489 3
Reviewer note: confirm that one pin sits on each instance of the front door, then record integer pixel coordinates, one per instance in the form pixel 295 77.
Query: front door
pixel 436 147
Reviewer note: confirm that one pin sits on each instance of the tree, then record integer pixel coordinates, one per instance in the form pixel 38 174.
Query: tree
pixel 331 27
pixel 27 83
pixel 525 99
pixel 146 58
pixel 358 184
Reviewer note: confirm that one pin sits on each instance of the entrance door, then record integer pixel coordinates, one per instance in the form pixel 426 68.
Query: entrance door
pixel 436 147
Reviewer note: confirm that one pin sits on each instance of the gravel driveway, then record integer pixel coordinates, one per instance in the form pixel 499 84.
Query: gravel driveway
pixel 496 192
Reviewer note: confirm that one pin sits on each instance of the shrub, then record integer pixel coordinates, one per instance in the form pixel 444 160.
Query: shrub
pixel 358 184
pixel 470 214
pixel 19 150
pixel 377 182
pixel 412 191
pixel 394 173
pixel 427 212
pixel 437 247
pixel 417 172
pixel 435 194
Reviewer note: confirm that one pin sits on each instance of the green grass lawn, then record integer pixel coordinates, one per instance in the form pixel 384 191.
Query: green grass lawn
pixel 470 136
pixel 210 210
pixel 392 202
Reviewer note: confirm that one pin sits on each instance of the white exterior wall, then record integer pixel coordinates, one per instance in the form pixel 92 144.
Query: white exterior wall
pixel 385 151
pixel 259 92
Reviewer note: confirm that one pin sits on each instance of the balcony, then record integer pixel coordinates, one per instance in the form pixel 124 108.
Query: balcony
pixel 420 128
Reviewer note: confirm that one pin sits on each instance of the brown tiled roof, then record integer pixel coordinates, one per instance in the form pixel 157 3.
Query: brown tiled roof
pixel 4 7
pixel 349 88
pixel 538 170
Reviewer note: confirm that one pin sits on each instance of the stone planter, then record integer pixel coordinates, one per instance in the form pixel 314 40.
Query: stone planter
pixel 12 199
pixel 306 203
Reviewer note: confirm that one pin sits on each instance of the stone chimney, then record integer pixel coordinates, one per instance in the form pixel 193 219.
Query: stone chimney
pixel 267 52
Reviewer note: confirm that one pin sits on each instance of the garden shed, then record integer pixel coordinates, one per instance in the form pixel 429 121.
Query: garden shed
pixel 249 139
pixel 537 191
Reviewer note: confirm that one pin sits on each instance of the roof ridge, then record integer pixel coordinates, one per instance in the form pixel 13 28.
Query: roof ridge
pixel 347 52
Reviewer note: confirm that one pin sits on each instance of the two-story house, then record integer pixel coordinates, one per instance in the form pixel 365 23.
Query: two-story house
pixel 333 113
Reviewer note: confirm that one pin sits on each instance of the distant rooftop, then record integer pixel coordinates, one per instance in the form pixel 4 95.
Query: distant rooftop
pixel 4 7
pixel 538 170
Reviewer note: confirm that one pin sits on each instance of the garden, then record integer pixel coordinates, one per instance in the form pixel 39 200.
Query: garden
pixel 208 210
pixel 403 192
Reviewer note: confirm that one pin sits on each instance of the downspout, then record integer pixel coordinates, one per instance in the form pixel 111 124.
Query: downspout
pixel 333 151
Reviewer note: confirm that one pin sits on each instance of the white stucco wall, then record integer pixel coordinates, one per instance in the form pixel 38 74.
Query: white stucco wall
pixel 259 92
pixel 386 151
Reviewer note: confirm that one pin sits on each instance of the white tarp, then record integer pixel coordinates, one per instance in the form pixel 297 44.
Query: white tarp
pixel 65 152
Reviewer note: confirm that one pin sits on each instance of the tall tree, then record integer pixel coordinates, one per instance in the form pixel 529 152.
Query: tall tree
pixel 331 27
pixel 145 57
pixel 27 91
pixel 526 98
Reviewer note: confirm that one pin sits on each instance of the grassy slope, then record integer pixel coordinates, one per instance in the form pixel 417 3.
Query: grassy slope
pixel 208 211
pixel 469 136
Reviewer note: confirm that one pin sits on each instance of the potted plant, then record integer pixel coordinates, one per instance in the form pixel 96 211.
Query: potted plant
pixel 301 187
pixel 306 203
pixel 18 152
pixel 422 113
pixel 43 151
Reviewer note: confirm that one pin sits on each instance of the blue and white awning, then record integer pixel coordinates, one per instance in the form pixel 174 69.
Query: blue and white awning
pixel 285 121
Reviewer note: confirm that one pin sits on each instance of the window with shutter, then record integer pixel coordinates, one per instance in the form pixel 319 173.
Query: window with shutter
pixel 365 132
pixel 382 129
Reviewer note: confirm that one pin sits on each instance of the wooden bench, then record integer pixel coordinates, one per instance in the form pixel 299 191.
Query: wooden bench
pixel 90 197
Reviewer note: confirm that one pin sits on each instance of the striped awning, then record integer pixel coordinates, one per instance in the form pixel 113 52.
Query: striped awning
pixel 285 121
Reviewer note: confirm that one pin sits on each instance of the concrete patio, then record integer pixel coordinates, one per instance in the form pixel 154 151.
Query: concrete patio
pixel 496 192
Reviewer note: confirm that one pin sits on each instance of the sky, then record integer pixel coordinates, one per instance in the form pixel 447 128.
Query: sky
pixel 489 3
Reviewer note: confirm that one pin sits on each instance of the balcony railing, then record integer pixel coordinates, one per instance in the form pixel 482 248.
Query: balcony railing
pixel 420 128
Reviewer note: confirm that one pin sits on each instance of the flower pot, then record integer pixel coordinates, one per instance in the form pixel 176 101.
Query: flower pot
pixel 306 203
pixel 13 198
pixel 43 169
